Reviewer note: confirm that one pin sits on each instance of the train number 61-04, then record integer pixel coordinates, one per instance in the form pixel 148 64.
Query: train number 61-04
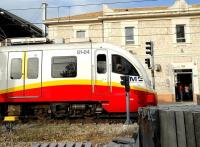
pixel 83 52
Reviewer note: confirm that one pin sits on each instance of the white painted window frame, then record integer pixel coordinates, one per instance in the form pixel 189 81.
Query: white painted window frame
pixel 133 24
pixel 132 41
pixel 181 21
pixel 81 28
pixel 184 38
pixel 80 35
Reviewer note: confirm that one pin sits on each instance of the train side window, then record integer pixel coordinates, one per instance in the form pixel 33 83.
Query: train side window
pixel 64 67
pixel 122 66
pixel 101 64
pixel 33 68
pixel 16 68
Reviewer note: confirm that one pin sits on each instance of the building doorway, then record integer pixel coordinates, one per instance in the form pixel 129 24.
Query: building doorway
pixel 183 85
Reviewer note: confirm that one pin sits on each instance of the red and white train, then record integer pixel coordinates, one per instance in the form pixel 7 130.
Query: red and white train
pixel 77 77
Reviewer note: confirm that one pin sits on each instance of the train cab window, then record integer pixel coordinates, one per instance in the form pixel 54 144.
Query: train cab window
pixel 64 67
pixel 16 68
pixel 33 68
pixel 101 64
pixel 122 66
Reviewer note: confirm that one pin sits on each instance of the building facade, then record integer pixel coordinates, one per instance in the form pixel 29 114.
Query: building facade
pixel 174 31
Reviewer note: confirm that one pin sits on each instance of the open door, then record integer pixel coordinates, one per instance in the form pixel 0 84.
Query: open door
pixel 24 74
pixel 183 85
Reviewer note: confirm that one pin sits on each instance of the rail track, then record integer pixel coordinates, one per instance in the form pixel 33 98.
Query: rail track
pixel 77 120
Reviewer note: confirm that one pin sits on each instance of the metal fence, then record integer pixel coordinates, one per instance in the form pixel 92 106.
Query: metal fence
pixel 170 126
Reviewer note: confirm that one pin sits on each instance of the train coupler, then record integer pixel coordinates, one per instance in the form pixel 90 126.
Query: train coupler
pixel 9 122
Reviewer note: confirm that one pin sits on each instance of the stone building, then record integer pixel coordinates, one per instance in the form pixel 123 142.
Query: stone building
pixel 174 30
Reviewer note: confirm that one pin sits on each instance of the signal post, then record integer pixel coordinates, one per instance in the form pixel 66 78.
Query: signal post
pixel 125 80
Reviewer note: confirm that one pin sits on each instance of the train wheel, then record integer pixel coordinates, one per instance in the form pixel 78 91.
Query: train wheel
pixel 58 110
pixel 26 112
pixel 3 110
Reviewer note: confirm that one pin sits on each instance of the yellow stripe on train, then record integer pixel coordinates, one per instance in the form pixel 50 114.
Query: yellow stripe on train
pixel 68 82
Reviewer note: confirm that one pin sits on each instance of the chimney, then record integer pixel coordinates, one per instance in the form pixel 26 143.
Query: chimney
pixel 180 4
pixel 106 9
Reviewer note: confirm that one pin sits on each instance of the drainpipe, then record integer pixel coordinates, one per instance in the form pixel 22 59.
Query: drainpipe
pixel 102 31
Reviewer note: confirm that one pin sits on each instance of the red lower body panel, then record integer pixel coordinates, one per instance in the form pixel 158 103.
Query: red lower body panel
pixel 112 100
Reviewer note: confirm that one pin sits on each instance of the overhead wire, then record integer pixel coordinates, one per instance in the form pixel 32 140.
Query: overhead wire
pixel 88 4
pixel 117 28
pixel 93 4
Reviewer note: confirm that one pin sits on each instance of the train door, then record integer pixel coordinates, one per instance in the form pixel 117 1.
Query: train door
pixel 33 79
pixel 16 74
pixel 101 80
pixel 24 74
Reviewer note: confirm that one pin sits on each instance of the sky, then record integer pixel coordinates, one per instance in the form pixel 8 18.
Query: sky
pixel 24 8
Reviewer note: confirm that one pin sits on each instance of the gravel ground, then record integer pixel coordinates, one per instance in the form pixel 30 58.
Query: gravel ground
pixel 24 135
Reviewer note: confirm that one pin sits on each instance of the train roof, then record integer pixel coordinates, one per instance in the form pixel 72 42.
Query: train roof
pixel 60 47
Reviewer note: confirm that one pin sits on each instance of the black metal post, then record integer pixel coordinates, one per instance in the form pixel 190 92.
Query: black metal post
pixel 125 80
pixel 153 66
pixel 128 120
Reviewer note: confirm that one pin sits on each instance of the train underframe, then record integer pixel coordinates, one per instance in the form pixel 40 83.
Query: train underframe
pixel 55 110
pixel 58 111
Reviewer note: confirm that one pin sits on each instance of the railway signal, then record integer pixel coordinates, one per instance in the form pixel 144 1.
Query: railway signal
pixel 149 48
pixel 125 81
pixel 147 61
pixel 150 62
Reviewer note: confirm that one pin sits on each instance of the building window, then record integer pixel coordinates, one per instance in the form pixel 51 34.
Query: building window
pixel 101 63
pixel 16 68
pixel 80 34
pixel 129 35
pixel 33 68
pixel 122 66
pixel 64 67
pixel 180 33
